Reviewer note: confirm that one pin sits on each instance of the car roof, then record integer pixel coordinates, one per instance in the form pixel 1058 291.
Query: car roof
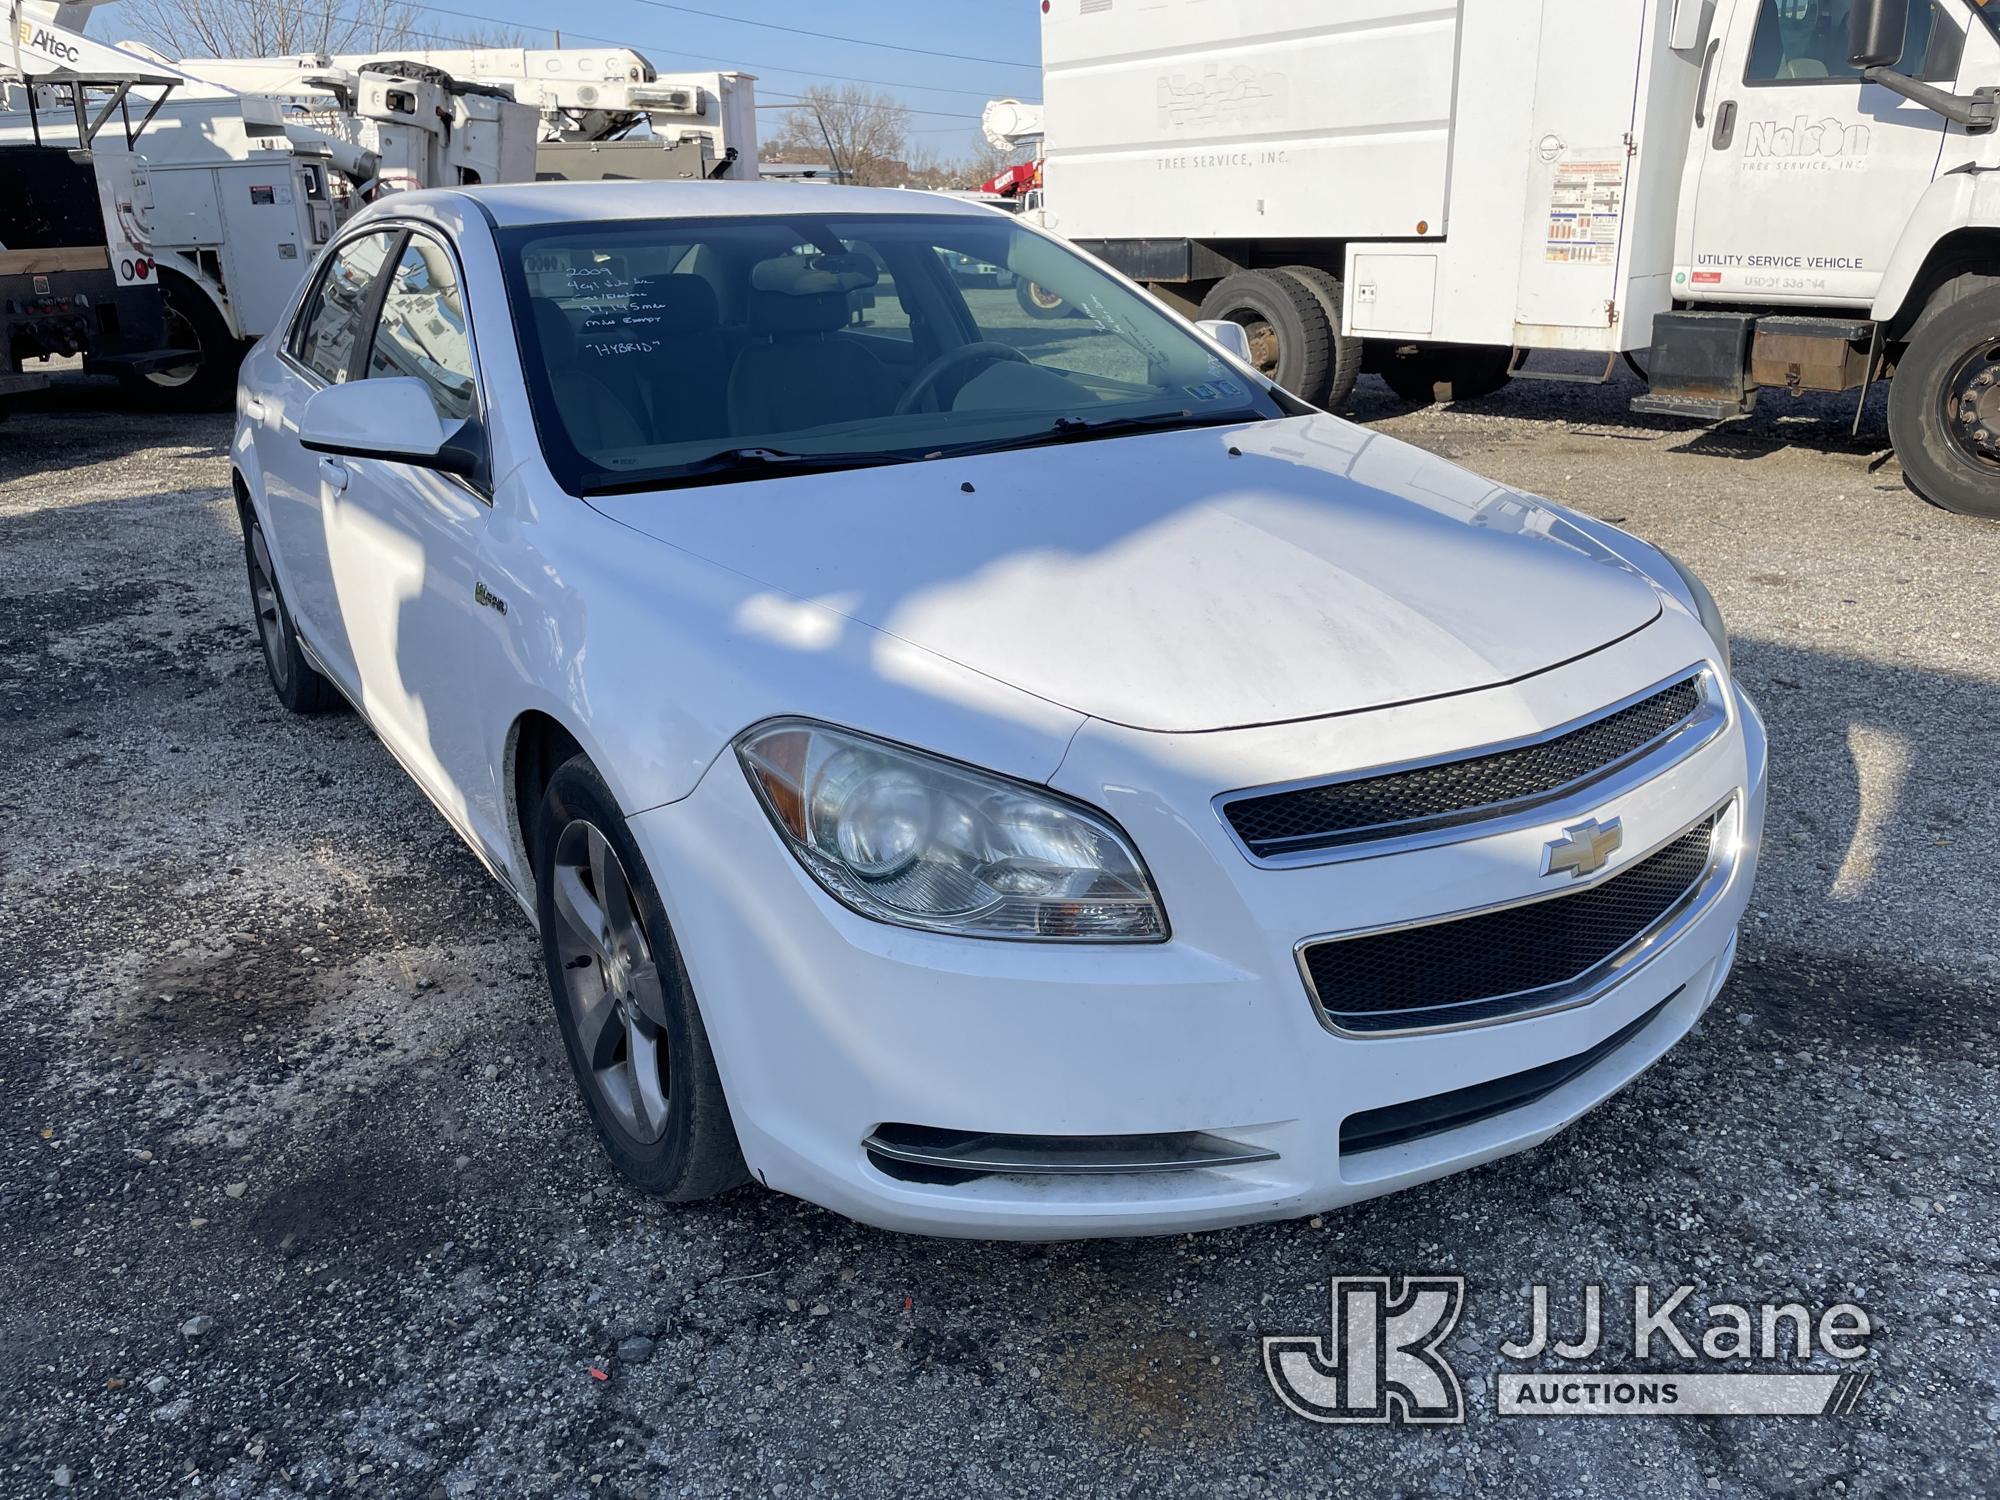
pixel 586 202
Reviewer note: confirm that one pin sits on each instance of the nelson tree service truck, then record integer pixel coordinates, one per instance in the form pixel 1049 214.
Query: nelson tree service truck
pixel 1732 195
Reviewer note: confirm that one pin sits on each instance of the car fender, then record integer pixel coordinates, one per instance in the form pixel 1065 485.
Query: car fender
pixel 655 659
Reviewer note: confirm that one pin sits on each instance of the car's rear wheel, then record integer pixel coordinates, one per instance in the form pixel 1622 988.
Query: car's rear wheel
pixel 298 685
pixel 627 1010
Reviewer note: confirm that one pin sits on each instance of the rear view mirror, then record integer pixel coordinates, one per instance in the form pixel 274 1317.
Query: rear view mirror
pixel 391 418
pixel 1231 336
pixel 1876 32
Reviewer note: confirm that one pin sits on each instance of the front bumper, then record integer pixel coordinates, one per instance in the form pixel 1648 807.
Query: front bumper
pixel 826 1025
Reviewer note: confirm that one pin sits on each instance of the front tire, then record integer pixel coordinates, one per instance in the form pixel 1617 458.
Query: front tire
pixel 1944 402
pixel 627 1010
pixel 294 679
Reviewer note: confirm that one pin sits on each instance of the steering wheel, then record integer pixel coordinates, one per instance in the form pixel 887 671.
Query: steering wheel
pixel 951 359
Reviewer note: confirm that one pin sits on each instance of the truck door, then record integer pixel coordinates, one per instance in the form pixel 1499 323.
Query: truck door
pixel 1807 174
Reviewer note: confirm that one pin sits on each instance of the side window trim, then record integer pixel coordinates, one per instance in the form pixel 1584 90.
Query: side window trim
pixel 302 313
pixel 381 293
pixel 370 316
pixel 364 348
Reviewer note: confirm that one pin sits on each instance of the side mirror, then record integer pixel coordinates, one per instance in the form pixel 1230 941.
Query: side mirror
pixel 1876 32
pixel 1231 336
pixel 390 418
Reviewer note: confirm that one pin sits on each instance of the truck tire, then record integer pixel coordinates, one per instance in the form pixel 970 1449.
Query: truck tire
pixel 1944 402
pixel 1424 373
pixel 207 383
pixel 1038 302
pixel 1344 368
pixel 1290 338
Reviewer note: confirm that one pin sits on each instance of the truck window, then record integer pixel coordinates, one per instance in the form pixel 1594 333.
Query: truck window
pixel 1805 41
pixel 330 321
pixel 422 332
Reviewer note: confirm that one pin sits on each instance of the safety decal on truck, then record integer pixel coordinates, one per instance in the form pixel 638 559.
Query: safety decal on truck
pixel 1586 207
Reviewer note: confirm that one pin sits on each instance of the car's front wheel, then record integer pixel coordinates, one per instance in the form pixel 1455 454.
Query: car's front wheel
pixel 298 685
pixel 627 1010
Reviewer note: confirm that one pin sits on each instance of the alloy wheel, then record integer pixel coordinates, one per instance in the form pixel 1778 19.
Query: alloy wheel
pixel 270 615
pixel 611 981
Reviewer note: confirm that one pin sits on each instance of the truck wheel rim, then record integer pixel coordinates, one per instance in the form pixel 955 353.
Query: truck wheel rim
pixel 1972 404
pixel 179 333
pixel 1046 300
pixel 270 616
pixel 1264 351
pixel 610 982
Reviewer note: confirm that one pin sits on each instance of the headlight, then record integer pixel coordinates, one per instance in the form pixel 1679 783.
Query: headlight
pixel 1704 605
pixel 908 838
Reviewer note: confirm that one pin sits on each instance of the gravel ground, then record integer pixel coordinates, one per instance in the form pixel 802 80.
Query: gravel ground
pixel 296 1196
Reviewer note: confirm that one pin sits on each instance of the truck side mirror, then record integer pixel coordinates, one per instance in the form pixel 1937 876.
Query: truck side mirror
pixel 1876 31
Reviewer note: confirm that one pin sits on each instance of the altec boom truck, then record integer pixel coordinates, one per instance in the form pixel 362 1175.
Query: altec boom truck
pixel 71 281
pixel 1735 195
pixel 247 166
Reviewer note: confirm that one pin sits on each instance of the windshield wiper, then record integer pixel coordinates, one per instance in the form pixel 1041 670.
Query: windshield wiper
pixel 735 463
pixel 1083 429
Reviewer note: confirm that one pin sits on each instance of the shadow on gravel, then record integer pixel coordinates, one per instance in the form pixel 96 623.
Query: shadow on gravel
pixel 83 420
pixel 1815 421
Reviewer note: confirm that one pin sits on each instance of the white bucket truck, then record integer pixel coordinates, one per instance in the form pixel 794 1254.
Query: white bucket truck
pixel 1735 195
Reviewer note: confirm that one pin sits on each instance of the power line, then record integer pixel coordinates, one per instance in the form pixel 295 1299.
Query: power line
pixel 829 36
pixel 795 101
pixel 675 51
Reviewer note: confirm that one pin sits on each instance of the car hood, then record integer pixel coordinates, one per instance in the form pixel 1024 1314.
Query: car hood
pixel 1187 580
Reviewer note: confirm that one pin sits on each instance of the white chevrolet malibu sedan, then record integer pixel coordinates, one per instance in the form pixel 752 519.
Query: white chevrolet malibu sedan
pixel 986 772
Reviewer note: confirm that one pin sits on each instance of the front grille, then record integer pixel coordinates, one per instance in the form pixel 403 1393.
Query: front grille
pixel 1422 798
pixel 1492 964
pixel 1398 1124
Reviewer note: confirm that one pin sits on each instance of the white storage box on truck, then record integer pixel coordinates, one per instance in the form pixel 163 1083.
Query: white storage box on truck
pixel 1735 194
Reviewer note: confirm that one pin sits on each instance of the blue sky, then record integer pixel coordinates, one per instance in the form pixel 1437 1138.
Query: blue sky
pixel 948 90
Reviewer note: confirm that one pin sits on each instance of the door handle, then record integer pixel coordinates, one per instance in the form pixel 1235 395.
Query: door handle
pixel 253 406
pixel 1725 124
pixel 1701 94
pixel 334 472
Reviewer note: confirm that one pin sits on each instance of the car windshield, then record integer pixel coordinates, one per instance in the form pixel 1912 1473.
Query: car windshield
pixel 679 351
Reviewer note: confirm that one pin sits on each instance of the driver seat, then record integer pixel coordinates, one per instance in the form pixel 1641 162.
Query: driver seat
pixel 797 373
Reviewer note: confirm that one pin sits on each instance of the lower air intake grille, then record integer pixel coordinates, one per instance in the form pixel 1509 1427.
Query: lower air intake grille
pixel 1398 1124
pixel 1459 791
pixel 1492 964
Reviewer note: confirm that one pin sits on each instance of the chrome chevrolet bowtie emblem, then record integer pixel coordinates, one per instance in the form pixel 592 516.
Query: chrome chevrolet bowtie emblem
pixel 1583 848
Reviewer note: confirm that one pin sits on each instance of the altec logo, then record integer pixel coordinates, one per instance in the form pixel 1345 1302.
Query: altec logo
pixel 1827 140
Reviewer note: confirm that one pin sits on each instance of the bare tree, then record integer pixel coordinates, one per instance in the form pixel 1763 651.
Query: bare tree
pixel 867 134
pixel 271 28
